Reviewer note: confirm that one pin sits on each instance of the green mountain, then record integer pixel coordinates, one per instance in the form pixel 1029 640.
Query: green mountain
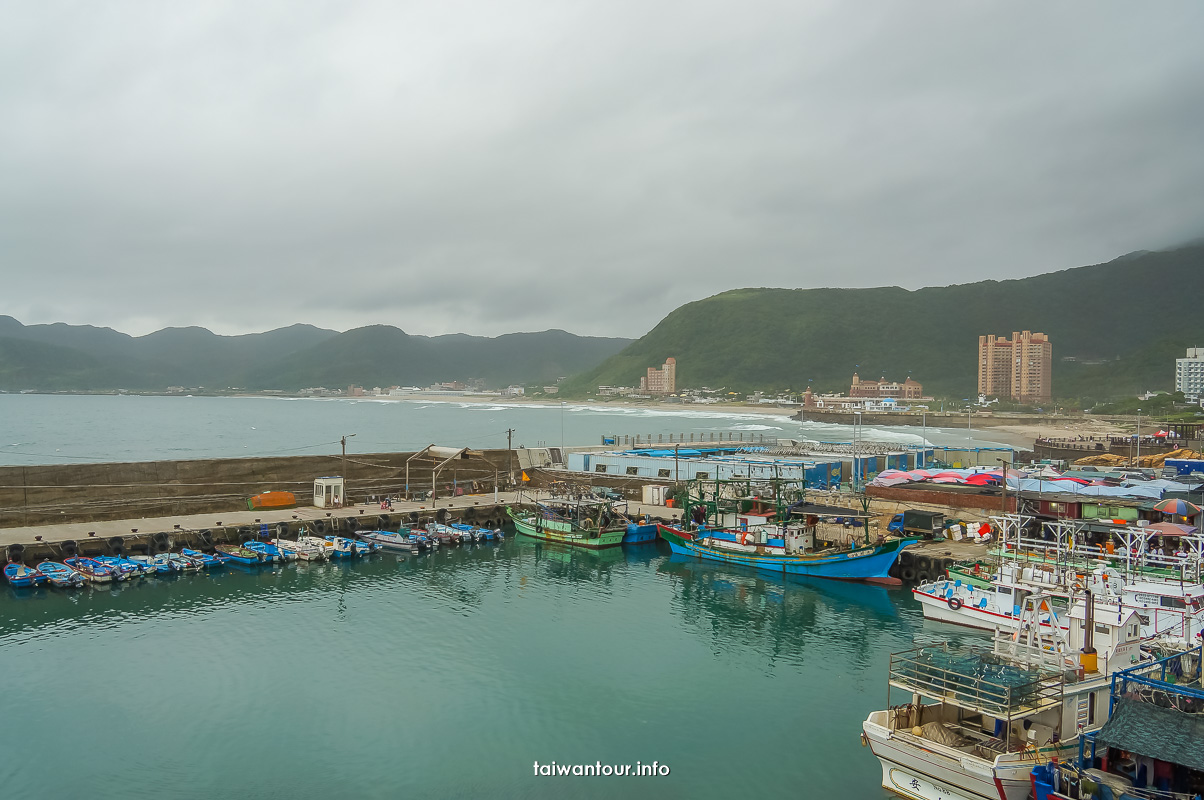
pixel 62 357
pixel 1123 323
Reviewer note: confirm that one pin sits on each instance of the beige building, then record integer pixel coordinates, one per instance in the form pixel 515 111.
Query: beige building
pixel 882 388
pixel 1020 368
pixel 661 381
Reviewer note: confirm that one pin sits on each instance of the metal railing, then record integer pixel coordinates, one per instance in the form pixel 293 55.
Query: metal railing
pixel 976 681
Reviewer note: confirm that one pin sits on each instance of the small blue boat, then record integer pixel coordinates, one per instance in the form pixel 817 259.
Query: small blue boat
pixel 60 575
pixel 205 560
pixel 350 548
pixel 478 533
pixel 21 575
pixel 93 570
pixel 124 568
pixel 157 564
pixel 639 534
pixel 271 553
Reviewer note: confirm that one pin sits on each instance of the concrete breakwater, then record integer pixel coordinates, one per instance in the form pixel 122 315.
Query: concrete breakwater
pixel 160 535
pixel 61 493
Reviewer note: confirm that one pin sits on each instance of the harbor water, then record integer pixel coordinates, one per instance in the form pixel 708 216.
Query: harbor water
pixel 449 675
pixel 57 429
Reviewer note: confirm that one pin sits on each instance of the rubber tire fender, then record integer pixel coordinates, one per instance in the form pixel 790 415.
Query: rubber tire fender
pixel 923 576
pixel 383 521
pixel 281 530
pixel 954 603
pixel 908 573
pixel 320 526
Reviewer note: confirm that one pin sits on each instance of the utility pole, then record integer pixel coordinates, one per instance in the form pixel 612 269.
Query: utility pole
pixel 1138 462
pixel 343 441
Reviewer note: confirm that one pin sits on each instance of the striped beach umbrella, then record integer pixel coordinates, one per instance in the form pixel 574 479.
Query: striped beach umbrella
pixel 1180 507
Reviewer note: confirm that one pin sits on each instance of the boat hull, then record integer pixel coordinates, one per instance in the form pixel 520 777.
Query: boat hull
pixel 870 564
pixel 639 534
pixel 926 773
pixel 605 538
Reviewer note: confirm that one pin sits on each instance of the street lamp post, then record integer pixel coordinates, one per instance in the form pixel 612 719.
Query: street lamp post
pixel 562 429
pixel 856 431
pixel 343 442
pixel 1006 464
pixel 1138 464
pixel 924 436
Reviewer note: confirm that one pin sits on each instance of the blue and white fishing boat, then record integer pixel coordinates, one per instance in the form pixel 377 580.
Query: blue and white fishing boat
pixel 478 533
pixel 239 555
pixel 392 542
pixel 60 575
pixel 124 567
pixel 302 550
pixel 157 564
pixel 342 547
pixel 182 563
pixel 868 563
pixel 449 534
pixel 205 560
pixel 271 553
pixel 21 575
pixel 93 570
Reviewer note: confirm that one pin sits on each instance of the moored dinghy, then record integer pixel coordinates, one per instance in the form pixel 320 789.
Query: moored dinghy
pixel 349 548
pixel 157 564
pixel 301 550
pixel 21 575
pixel 392 542
pixel 205 560
pixel 92 570
pixel 60 575
pixel 182 563
pixel 239 555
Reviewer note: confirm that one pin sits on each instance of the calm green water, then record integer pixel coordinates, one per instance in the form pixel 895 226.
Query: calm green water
pixel 448 676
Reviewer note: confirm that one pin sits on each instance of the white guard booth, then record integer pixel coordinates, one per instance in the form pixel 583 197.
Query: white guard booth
pixel 328 492
pixel 654 495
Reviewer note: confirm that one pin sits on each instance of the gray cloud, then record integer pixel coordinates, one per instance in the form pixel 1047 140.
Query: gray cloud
pixel 488 167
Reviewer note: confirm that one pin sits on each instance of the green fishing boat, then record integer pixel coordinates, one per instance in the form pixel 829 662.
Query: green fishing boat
pixel 578 523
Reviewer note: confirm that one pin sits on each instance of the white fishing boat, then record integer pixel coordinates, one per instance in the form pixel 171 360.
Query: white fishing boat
pixel 974 723
pixel 301 550
pixel 1164 591
pixel 1166 609
pixel 393 542
pixel 317 542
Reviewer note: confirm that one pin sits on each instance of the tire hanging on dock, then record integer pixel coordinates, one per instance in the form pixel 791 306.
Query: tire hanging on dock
pixel 206 537
pixel 320 526
pixel 162 543
pixel 908 573
pixel 117 545
pixel 383 521
pixel 281 530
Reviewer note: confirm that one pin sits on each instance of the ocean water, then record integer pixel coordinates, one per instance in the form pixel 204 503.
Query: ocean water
pixel 48 429
pixel 449 675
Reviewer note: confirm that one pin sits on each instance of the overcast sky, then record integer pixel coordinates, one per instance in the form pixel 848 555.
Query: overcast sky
pixel 496 166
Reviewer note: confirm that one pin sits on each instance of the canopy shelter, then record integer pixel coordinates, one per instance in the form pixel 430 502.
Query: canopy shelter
pixel 441 457
pixel 804 509
pixel 1155 732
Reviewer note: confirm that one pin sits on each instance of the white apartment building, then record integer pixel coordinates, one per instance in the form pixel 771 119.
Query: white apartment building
pixel 1189 373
